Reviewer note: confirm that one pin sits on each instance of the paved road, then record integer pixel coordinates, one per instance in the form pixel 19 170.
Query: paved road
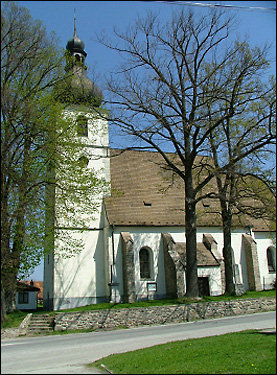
pixel 69 354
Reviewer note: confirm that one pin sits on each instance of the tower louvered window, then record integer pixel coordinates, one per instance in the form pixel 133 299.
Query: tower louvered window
pixel 82 126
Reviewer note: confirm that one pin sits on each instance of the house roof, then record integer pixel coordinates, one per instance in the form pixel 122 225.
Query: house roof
pixel 145 193
pixel 23 287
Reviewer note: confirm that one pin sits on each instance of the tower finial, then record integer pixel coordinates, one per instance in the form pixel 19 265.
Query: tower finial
pixel 74 21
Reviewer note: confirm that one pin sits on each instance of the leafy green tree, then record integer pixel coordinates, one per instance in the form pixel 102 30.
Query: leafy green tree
pixel 35 136
pixel 180 83
pixel 30 65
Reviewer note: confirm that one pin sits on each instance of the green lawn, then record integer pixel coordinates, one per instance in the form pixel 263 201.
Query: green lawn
pixel 15 318
pixel 185 300
pixel 246 352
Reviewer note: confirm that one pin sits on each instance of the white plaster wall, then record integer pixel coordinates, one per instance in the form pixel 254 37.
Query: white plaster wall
pixel 152 240
pixel 87 275
pixel 96 149
pixel 32 305
pixel 143 237
pixel 213 273
pixel 151 237
pixel 237 245
pixel 82 278
pixel 263 241
pixel 239 255
pixel 82 275
pixel 98 133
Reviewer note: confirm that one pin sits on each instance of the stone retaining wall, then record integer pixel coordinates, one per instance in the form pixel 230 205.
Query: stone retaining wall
pixel 25 322
pixel 132 317
pixel 11 333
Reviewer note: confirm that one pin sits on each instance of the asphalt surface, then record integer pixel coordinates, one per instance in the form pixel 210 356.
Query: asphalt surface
pixel 71 353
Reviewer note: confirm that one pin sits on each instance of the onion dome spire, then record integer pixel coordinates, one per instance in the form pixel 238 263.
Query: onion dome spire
pixel 75 45
pixel 78 88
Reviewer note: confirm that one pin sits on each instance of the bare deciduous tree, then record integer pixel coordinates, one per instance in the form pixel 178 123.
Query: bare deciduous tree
pixel 179 84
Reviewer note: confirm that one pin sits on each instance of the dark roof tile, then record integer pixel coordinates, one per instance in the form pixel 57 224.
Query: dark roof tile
pixel 204 256
pixel 140 176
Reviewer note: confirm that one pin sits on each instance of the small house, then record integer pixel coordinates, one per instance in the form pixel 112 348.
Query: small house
pixel 26 296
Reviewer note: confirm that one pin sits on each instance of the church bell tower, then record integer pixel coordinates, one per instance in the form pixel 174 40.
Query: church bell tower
pixel 83 278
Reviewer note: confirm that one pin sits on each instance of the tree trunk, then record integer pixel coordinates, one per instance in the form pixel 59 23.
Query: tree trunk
pixel 192 289
pixel 11 265
pixel 10 294
pixel 228 255
pixel 3 306
pixel 8 287
pixel 6 257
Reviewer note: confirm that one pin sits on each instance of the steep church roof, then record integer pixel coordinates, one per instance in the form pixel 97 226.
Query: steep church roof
pixel 147 194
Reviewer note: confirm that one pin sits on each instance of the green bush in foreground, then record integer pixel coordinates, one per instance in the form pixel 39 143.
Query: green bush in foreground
pixel 246 352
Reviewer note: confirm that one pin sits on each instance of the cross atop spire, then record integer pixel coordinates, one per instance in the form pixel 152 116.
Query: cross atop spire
pixel 75 22
pixel 75 45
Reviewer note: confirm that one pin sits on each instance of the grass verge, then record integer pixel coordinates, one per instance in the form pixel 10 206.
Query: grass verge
pixel 246 352
pixel 179 301
pixel 14 319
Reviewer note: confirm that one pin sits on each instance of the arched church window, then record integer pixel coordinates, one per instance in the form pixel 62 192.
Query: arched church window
pixel 82 126
pixel 271 258
pixel 145 263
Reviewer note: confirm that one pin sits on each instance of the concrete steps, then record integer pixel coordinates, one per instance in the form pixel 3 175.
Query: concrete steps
pixel 41 323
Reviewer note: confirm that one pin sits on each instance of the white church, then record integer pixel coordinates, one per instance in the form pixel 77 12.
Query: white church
pixel 135 246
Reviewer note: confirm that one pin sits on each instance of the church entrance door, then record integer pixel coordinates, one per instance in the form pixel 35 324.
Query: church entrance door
pixel 203 285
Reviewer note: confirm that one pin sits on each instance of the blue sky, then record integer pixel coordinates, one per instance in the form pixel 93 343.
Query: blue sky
pixel 257 21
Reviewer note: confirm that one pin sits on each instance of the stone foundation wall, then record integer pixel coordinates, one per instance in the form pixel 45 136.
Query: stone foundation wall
pixel 137 316
pixel 11 333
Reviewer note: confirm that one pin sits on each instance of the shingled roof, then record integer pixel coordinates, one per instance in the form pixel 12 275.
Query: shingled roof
pixel 23 287
pixel 147 194
pixel 204 256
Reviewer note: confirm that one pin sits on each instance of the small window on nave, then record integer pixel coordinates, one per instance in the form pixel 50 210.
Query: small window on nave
pixel 145 263
pixel 271 258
